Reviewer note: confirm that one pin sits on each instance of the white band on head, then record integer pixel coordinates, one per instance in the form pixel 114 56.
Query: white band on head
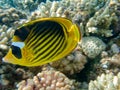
pixel 18 44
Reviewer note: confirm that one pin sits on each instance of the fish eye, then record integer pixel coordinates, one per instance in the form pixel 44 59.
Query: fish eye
pixel 16 51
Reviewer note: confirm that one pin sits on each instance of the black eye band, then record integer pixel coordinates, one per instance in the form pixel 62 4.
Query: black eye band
pixel 16 51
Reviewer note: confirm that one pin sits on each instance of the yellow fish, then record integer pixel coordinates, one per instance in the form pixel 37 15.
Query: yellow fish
pixel 42 41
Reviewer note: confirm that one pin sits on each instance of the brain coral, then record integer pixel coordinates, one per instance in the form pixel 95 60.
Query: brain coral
pixel 92 46
pixel 47 80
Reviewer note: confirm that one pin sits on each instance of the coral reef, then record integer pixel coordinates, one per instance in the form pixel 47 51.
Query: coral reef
pixel 50 9
pixel 11 74
pixel 92 46
pixel 80 85
pixel 99 22
pixel 102 20
pixel 115 48
pixel 10 15
pixel 114 60
pixel 97 17
pixel 106 82
pixel 47 80
pixel 10 19
pixel 5 37
pixel 71 64
pixel 23 5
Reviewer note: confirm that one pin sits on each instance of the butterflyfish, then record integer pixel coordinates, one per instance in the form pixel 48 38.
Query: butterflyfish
pixel 42 41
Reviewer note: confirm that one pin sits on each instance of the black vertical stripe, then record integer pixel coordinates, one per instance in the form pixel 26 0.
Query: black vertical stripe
pixel 36 31
pixel 50 28
pixel 48 56
pixel 38 43
pixel 56 50
pixel 50 46
pixel 59 34
pixel 47 43
pixel 44 40
pixel 40 32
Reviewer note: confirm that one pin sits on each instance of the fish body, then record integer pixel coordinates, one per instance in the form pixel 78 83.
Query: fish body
pixel 42 41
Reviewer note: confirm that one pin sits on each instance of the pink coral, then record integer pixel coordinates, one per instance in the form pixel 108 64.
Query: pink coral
pixel 47 80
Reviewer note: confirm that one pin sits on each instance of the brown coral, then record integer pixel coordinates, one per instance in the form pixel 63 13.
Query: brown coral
pixel 71 64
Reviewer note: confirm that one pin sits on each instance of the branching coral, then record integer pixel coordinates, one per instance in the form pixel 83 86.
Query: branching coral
pixel 10 15
pixel 23 5
pixel 94 16
pixel 106 82
pixel 103 19
pixel 47 80
pixel 5 36
pixel 54 9
pixel 78 9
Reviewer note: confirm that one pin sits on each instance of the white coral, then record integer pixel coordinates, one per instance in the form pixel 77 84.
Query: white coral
pixel 106 82
pixel 64 8
pixel 10 15
pixel 102 20
pixel 5 35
